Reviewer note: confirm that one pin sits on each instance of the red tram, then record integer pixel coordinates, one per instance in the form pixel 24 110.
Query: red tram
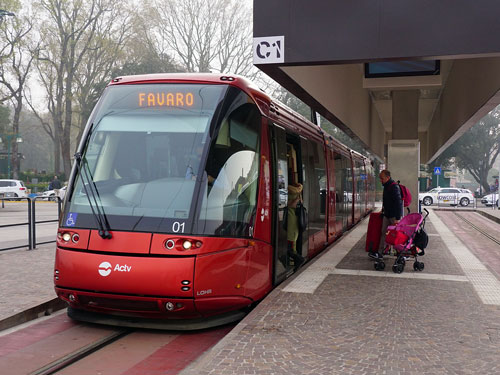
pixel 175 203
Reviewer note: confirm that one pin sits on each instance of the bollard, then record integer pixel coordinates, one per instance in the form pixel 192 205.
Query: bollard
pixel 33 220
pixel 31 226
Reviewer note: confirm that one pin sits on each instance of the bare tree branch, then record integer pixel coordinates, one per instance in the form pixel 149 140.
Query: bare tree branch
pixel 73 40
pixel 205 36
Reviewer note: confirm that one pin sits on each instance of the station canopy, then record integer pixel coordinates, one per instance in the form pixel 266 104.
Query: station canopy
pixel 386 70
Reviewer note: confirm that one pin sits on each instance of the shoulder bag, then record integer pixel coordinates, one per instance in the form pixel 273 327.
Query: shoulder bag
pixel 301 213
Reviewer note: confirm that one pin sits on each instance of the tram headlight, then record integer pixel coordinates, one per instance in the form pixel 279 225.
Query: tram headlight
pixel 187 245
pixel 66 237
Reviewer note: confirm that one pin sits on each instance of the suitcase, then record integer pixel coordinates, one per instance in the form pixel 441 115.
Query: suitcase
pixel 374 231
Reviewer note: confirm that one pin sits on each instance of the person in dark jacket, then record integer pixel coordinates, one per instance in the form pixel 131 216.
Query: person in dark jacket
pixel 392 208
pixel 55 185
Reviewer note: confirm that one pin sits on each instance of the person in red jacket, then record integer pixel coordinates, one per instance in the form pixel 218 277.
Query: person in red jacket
pixel 392 208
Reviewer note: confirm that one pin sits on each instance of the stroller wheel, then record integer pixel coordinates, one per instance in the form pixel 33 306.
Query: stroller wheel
pixel 398 267
pixel 418 266
pixel 401 260
pixel 379 266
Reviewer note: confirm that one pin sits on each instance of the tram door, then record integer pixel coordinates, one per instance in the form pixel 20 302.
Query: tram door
pixel 287 169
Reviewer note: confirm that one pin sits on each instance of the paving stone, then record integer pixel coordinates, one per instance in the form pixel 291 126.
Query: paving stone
pixel 26 279
pixel 356 324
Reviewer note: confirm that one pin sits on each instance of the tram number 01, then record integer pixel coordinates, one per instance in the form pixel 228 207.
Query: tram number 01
pixel 178 227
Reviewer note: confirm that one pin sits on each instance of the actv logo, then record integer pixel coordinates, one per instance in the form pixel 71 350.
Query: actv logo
pixel 105 268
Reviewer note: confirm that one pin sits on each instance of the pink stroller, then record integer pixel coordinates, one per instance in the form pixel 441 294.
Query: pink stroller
pixel 402 237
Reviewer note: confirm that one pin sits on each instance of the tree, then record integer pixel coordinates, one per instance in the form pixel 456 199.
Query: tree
pixel 105 52
pixel 4 118
pixel 477 149
pixel 204 35
pixel 70 33
pixel 7 7
pixel 13 75
pixel 287 98
pixel 37 145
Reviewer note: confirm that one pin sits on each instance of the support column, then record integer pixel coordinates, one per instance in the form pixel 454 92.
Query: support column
pixel 405 114
pixel 403 153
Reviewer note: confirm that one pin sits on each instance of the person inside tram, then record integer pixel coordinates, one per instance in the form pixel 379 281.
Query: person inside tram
pixel 294 197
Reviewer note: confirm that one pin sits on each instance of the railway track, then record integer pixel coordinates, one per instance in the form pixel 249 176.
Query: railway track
pixel 59 345
pixel 58 365
pixel 462 217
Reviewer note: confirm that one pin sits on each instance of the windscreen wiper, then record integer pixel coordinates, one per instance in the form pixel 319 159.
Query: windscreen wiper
pixel 92 195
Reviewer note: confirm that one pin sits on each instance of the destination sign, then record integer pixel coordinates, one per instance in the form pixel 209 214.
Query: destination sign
pixel 166 99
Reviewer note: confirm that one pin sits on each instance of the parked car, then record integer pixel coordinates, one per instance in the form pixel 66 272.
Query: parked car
pixel 51 194
pixel 490 199
pixel 466 191
pixel 12 188
pixel 451 196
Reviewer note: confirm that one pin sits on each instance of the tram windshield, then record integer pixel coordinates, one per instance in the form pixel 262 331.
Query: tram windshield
pixel 170 158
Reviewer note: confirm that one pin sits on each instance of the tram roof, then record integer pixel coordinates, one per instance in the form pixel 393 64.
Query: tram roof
pixel 185 77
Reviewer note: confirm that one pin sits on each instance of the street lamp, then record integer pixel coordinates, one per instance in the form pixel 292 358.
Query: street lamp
pixel 480 172
pixel 9 138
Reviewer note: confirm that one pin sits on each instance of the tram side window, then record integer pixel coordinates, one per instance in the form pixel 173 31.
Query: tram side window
pixel 317 184
pixel 360 188
pixel 346 186
pixel 339 196
pixel 348 180
pixel 230 189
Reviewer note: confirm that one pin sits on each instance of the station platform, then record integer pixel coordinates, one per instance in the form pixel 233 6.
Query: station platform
pixel 27 286
pixel 340 316
pixel 337 314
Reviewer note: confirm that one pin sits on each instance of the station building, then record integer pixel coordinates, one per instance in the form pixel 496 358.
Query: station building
pixel 405 78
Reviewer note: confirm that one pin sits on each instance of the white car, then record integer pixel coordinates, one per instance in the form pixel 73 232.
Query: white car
pixel 451 196
pixel 12 189
pixel 490 199
pixel 51 194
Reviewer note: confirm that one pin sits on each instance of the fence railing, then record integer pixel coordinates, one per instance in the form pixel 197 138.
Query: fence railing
pixel 33 213
pixel 31 222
